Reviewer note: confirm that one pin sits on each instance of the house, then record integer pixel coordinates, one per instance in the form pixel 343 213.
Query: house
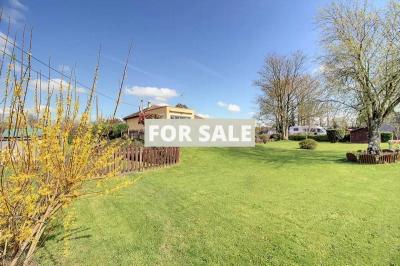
pixel 162 112
pixel 391 128
pixel 359 135
pixel 265 130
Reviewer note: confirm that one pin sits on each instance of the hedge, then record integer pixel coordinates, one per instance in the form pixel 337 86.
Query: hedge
pixel 300 137
pixel 276 136
pixel 335 135
pixel 320 138
pixel 297 137
pixel 386 136
pixel 346 138
pixel 264 138
pixel 117 130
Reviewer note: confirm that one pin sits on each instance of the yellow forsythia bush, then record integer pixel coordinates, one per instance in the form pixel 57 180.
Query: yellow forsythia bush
pixel 45 161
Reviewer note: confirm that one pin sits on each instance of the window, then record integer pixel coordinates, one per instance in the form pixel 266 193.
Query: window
pixel 179 117
pixel 295 129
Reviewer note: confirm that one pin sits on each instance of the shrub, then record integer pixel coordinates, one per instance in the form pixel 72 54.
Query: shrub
pixel 308 144
pixel 335 135
pixel 117 130
pixel 352 157
pixel 276 136
pixel 319 138
pixel 386 136
pixel 264 138
pixel 298 137
pixel 39 177
pixel 47 172
pixel 346 138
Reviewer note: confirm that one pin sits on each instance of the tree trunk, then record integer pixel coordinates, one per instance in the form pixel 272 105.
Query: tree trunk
pixel 285 133
pixel 374 137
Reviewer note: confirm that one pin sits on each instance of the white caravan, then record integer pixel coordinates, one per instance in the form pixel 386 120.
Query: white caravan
pixel 311 130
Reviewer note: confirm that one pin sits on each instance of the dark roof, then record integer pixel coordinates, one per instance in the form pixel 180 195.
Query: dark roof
pixel 387 128
pixel 383 128
pixel 357 129
pixel 145 110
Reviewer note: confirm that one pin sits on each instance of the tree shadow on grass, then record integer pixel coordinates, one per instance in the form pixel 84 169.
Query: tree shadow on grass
pixel 57 233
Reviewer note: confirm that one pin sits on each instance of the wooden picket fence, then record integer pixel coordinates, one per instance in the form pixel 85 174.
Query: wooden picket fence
pixel 384 158
pixel 135 159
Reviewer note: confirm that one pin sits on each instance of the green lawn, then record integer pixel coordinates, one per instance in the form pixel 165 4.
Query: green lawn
pixel 273 204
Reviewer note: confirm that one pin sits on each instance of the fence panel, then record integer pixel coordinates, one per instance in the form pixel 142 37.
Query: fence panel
pixel 134 159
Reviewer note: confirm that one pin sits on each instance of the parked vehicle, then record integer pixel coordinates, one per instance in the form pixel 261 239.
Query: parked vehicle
pixel 311 130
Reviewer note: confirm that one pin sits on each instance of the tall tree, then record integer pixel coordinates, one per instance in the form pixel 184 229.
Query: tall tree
pixel 285 89
pixel 362 59
pixel 308 105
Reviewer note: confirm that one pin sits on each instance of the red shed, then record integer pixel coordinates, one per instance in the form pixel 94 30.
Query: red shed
pixel 359 135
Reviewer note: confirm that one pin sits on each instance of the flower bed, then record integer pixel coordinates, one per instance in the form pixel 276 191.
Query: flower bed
pixel 387 156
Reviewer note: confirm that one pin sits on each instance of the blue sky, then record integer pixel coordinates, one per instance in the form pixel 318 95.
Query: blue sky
pixel 204 54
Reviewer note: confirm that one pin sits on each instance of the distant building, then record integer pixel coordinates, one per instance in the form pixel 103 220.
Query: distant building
pixel 359 135
pixel 312 130
pixel 269 130
pixel 387 128
pixel 21 133
pixel 162 112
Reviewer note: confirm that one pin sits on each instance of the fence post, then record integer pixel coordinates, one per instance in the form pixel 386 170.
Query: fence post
pixel 140 159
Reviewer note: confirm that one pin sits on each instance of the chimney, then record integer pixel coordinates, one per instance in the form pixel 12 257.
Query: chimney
pixel 148 104
pixel 141 106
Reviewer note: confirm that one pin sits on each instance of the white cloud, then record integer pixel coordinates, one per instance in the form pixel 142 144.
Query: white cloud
pixel 204 115
pixel 251 114
pixel 159 94
pixel 229 106
pixel 17 4
pixel 222 104
pixel 233 108
pixel 5 42
pixel 14 10
pixel 6 46
pixel 160 104
pixel 55 84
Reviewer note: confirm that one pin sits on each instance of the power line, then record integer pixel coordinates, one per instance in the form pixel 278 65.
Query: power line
pixel 54 69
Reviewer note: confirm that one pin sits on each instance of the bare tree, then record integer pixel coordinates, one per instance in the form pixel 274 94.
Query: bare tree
pixel 362 59
pixel 285 90
pixel 308 100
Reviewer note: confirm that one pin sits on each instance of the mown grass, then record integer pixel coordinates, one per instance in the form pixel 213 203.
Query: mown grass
pixel 273 204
